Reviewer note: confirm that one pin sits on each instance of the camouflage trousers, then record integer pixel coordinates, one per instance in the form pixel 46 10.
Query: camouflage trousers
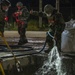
pixel 22 33
pixel 50 42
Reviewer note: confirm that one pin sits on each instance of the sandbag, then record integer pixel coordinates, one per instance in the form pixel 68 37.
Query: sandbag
pixel 67 41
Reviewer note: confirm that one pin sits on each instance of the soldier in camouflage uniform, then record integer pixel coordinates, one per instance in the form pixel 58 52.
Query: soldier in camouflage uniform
pixel 56 26
pixel 6 8
pixel 21 17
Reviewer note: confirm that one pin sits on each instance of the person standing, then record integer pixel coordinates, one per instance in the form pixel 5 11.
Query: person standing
pixel 56 26
pixel 21 16
pixel 5 5
pixel 7 9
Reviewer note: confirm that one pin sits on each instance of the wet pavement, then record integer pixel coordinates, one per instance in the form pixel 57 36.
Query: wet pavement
pixel 36 43
pixel 34 62
pixel 36 39
pixel 30 63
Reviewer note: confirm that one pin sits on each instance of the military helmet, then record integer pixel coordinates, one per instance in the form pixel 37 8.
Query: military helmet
pixel 5 3
pixel 48 9
pixel 19 4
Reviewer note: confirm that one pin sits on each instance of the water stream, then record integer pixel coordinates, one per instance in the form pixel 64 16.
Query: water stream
pixel 53 65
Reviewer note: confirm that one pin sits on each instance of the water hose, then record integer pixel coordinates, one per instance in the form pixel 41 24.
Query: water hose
pixel 1 68
pixel 16 61
pixel 48 33
pixel 23 54
pixel 15 48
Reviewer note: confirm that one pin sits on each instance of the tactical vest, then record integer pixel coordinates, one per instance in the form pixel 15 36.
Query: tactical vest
pixel 25 14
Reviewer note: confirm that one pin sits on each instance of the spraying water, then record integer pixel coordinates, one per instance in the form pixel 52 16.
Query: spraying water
pixel 52 66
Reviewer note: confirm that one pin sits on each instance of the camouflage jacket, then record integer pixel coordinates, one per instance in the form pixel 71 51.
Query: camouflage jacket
pixel 25 14
pixel 56 23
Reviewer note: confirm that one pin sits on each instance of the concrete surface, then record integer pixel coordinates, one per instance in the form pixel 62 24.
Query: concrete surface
pixel 28 34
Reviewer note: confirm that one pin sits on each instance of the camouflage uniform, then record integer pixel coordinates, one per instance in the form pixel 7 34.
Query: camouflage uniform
pixel 7 9
pixel 56 26
pixel 22 24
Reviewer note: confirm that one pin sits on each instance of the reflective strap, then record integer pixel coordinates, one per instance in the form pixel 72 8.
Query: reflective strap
pixel 52 38
pixel 50 35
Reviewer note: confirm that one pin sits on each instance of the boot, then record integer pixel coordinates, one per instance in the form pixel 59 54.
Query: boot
pixel 22 41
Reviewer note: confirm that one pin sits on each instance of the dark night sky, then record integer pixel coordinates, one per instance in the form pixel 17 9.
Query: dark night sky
pixel 67 7
pixel 34 4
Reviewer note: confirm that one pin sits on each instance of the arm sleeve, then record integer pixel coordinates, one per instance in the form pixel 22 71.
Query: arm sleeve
pixel 25 13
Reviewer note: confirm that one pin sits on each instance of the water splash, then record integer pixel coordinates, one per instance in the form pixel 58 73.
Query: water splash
pixel 52 66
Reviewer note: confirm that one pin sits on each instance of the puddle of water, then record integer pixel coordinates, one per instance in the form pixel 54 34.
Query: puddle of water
pixel 52 66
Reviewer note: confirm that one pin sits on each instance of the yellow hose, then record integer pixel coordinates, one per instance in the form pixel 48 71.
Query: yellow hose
pixel 1 68
pixel 16 61
pixel 8 46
